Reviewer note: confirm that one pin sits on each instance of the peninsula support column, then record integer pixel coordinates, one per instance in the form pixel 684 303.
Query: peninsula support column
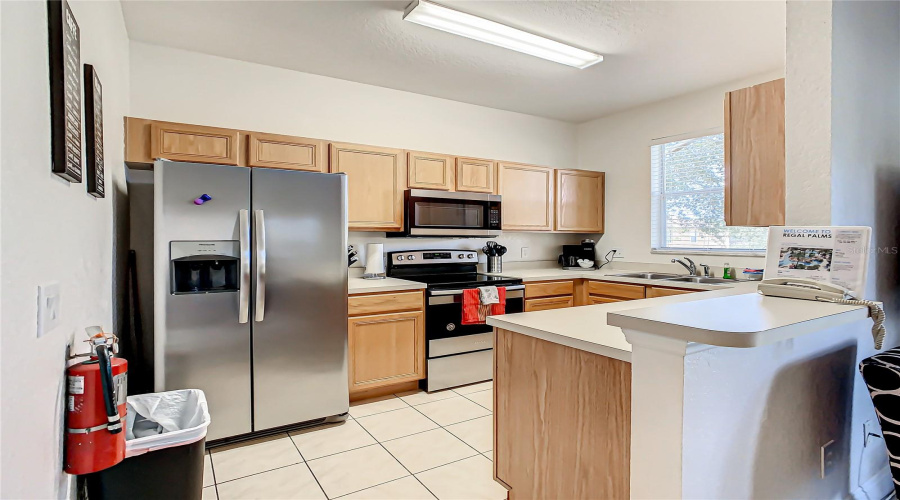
pixel 657 411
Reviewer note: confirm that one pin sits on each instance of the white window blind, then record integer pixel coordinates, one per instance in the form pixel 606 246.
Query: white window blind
pixel 688 199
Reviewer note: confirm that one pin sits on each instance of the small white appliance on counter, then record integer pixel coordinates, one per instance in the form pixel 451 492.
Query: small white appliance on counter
pixel 374 262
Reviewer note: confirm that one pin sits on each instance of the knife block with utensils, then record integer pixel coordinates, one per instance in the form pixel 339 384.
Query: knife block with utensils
pixel 494 253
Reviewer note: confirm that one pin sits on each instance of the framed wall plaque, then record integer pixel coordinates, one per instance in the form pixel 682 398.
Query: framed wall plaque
pixel 65 90
pixel 93 132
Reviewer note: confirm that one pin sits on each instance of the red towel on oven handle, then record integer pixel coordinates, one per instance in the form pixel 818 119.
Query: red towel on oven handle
pixel 471 302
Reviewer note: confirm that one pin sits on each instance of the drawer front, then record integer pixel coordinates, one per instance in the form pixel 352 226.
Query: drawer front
pixel 653 291
pixel 548 303
pixel 617 290
pixel 384 303
pixel 597 299
pixel 549 289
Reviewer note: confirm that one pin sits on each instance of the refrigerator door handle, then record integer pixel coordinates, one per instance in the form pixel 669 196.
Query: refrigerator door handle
pixel 260 265
pixel 244 306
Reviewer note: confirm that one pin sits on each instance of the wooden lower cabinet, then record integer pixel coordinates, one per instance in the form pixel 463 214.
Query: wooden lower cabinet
pixel 544 303
pixel 386 349
pixel 598 299
pixel 549 288
pixel 616 290
pixel 655 291
pixel 562 420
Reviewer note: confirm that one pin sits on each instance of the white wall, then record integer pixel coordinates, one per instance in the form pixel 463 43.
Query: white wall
pixel 807 113
pixel 619 145
pixel 865 168
pixel 188 87
pixel 755 419
pixel 52 231
pixel 176 85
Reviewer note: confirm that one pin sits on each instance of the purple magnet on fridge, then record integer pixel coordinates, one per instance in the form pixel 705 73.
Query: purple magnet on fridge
pixel 202 199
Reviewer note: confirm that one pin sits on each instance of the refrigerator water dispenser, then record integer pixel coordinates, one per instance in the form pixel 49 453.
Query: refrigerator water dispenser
pixel 204 266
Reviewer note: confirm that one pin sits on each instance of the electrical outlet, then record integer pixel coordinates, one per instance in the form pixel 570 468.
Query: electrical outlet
pixel 48 316
pixel 618 253
pixel 826 458
pixel 525 252
pixel 870 429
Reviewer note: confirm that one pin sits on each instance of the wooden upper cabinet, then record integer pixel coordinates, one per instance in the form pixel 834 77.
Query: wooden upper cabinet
pixel 475 175
pixel 194 143
pixel 754 155
pixel 431 171
pixel 527 193
pixel 579 201
pixel 284 151
pixel 376 179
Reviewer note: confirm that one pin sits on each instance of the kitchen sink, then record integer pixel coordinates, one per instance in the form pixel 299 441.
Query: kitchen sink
pixel 700 279
pixel 647 276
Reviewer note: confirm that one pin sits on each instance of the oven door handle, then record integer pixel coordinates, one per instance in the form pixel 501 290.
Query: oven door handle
pixel 437 293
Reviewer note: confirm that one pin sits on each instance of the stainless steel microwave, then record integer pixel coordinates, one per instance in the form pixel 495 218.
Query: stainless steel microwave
pixel 450 214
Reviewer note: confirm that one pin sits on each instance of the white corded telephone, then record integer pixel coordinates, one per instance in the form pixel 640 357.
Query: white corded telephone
pixel 798 288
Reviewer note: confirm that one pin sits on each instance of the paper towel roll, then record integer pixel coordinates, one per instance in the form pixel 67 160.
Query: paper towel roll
pixel 374 261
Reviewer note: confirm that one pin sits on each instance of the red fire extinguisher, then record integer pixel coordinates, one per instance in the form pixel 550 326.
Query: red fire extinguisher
pixel 95 407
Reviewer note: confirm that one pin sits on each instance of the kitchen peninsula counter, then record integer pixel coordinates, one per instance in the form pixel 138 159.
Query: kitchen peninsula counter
pixel 618 400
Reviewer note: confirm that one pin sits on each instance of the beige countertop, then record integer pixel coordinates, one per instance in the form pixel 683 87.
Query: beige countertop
pixel 357 285
pixel 730 315
pixel 556 273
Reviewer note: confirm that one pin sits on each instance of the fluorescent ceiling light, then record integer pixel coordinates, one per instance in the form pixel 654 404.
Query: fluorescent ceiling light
pixel 477 28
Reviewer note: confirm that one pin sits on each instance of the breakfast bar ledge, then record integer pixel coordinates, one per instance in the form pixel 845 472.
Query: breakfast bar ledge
pixel 732 394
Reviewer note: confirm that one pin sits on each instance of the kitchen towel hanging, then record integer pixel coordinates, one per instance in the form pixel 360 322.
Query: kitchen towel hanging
pixel 472 305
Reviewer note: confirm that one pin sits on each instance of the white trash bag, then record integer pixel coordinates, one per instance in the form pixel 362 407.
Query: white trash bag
pixel 165 419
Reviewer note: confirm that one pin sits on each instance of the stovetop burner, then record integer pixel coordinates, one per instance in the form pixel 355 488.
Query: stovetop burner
pixel 443 269
pixel 451 280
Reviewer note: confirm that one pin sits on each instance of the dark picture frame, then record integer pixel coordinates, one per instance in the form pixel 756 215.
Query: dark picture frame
pixel 65 90
pixel 93 132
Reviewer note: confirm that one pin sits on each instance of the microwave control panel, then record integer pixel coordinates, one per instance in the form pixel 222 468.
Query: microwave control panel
pixel 494 216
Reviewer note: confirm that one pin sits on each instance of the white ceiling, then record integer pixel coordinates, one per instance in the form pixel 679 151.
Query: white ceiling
pixel 653 50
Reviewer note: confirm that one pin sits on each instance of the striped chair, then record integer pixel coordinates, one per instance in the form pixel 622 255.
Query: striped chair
pixel 882 375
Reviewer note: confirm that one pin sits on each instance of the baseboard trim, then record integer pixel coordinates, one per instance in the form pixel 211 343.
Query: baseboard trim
pixel 877 487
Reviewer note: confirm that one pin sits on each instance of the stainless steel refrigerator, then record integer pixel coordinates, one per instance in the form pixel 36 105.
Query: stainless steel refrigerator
pixel 250 292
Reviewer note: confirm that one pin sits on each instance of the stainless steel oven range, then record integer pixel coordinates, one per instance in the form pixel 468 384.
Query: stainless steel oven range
pixel 456 354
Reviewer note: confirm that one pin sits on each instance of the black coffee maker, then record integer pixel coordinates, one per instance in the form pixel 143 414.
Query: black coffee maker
pixel 573 253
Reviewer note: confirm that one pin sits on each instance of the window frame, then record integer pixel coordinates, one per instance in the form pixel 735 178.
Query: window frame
pixel 658 196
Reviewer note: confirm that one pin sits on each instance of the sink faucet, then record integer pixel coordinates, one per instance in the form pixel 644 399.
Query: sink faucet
pixel 692 268
pixel 705 270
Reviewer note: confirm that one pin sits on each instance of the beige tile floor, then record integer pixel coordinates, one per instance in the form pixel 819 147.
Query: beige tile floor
pixel 410 445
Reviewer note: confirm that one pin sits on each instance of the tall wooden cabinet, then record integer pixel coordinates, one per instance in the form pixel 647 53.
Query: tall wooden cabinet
pixel 754 155
pixel 376 179
pixel 579 201
pixel 527 193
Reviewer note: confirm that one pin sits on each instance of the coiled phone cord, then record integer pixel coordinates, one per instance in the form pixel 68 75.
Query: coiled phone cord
pixel 876 311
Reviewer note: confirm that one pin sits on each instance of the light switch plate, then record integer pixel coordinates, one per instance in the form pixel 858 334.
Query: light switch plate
pixel 524 252
pixel 49 310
